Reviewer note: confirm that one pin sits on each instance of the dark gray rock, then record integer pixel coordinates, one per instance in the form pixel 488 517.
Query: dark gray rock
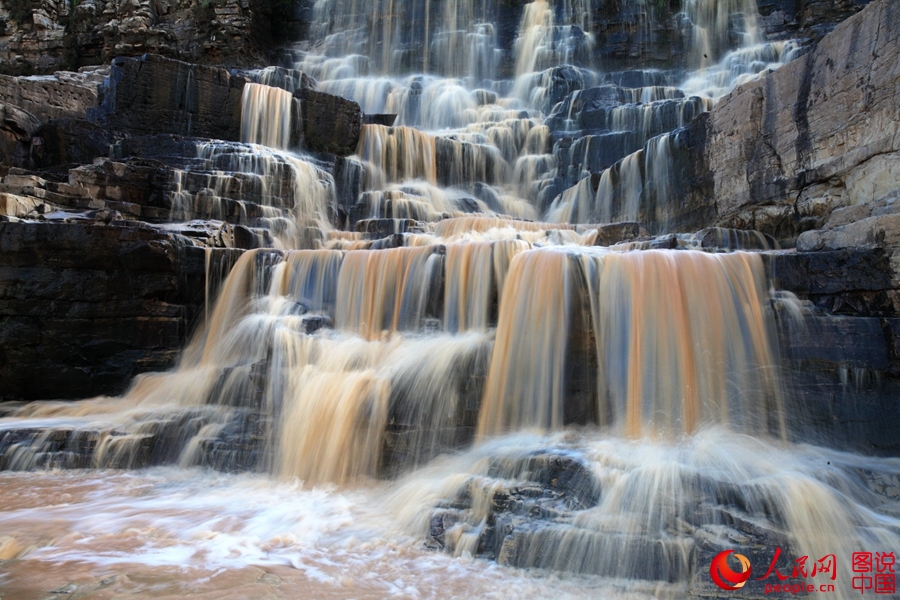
pixel 854 282
pixel 616 233
pixel 330 123
pixel 67 141
pixel 16 130
pixel 86 307
pixel 461 162
pixel 849 342
pixel 386 120
pixel 153 94
pixel 735 239
pixel 589 106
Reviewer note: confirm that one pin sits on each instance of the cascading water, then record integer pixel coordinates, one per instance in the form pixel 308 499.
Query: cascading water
pixel 486 378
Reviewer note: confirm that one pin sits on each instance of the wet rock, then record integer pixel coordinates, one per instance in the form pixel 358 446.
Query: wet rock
pixel 536 492
pixel 559 82
pixel 638 78
pixel 632 35
pixel 528 511
pixel 664 242
pixel 291 80
pixel 461 162
pixel 422 426
pixel 886 485
pixel 839 382
pixel 590 107
pixel 760 550
pixel 85 307
pixel 853 409
pixel 153 439
pixel 438 525
pixel 592 153
pixel 69 140
pixel 854 282
pixel 244 238
pixel 386 120
pixel 349 179
pixel 153 94
pixel 616 233
pixel 565 477
pixel 379 228
pixel 330 123
pixel 574 550
pixel 735 239
pixel 239 445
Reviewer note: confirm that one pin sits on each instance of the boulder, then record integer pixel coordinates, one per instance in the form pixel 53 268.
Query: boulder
pixel 16 129
pixel 331 124
pixel 588 108
pixel 610 234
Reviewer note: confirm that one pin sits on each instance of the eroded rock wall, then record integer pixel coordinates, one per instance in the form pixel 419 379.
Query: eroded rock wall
pixel 86 306
pixel 781 153
pixel 42 36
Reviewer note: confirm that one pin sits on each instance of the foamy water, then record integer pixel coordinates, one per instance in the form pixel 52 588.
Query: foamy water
pixel 170 532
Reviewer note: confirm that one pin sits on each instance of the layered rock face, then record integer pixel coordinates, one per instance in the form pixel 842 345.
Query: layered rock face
pixel 88 305
pixel 92 295
pixel 42 36
pixel 783 152
pixel 807 154
pixel 781 171
pixel 778 154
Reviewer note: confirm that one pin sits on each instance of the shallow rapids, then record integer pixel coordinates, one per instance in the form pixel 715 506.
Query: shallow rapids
pixel 167 532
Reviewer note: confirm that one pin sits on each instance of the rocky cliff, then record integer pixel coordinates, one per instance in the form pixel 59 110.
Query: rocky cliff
pixel 42 36
pixel 785 151
pixel 86 305
pixel 90 294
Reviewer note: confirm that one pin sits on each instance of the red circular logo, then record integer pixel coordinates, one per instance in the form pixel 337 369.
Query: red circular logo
pixel 724 576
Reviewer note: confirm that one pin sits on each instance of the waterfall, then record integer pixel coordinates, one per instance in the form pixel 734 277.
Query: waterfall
pixel 397 153
pixel 712 21
pixel 648 317
pixel 384 291
pixel 461 338
pixel 266 114
pixel 276 192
